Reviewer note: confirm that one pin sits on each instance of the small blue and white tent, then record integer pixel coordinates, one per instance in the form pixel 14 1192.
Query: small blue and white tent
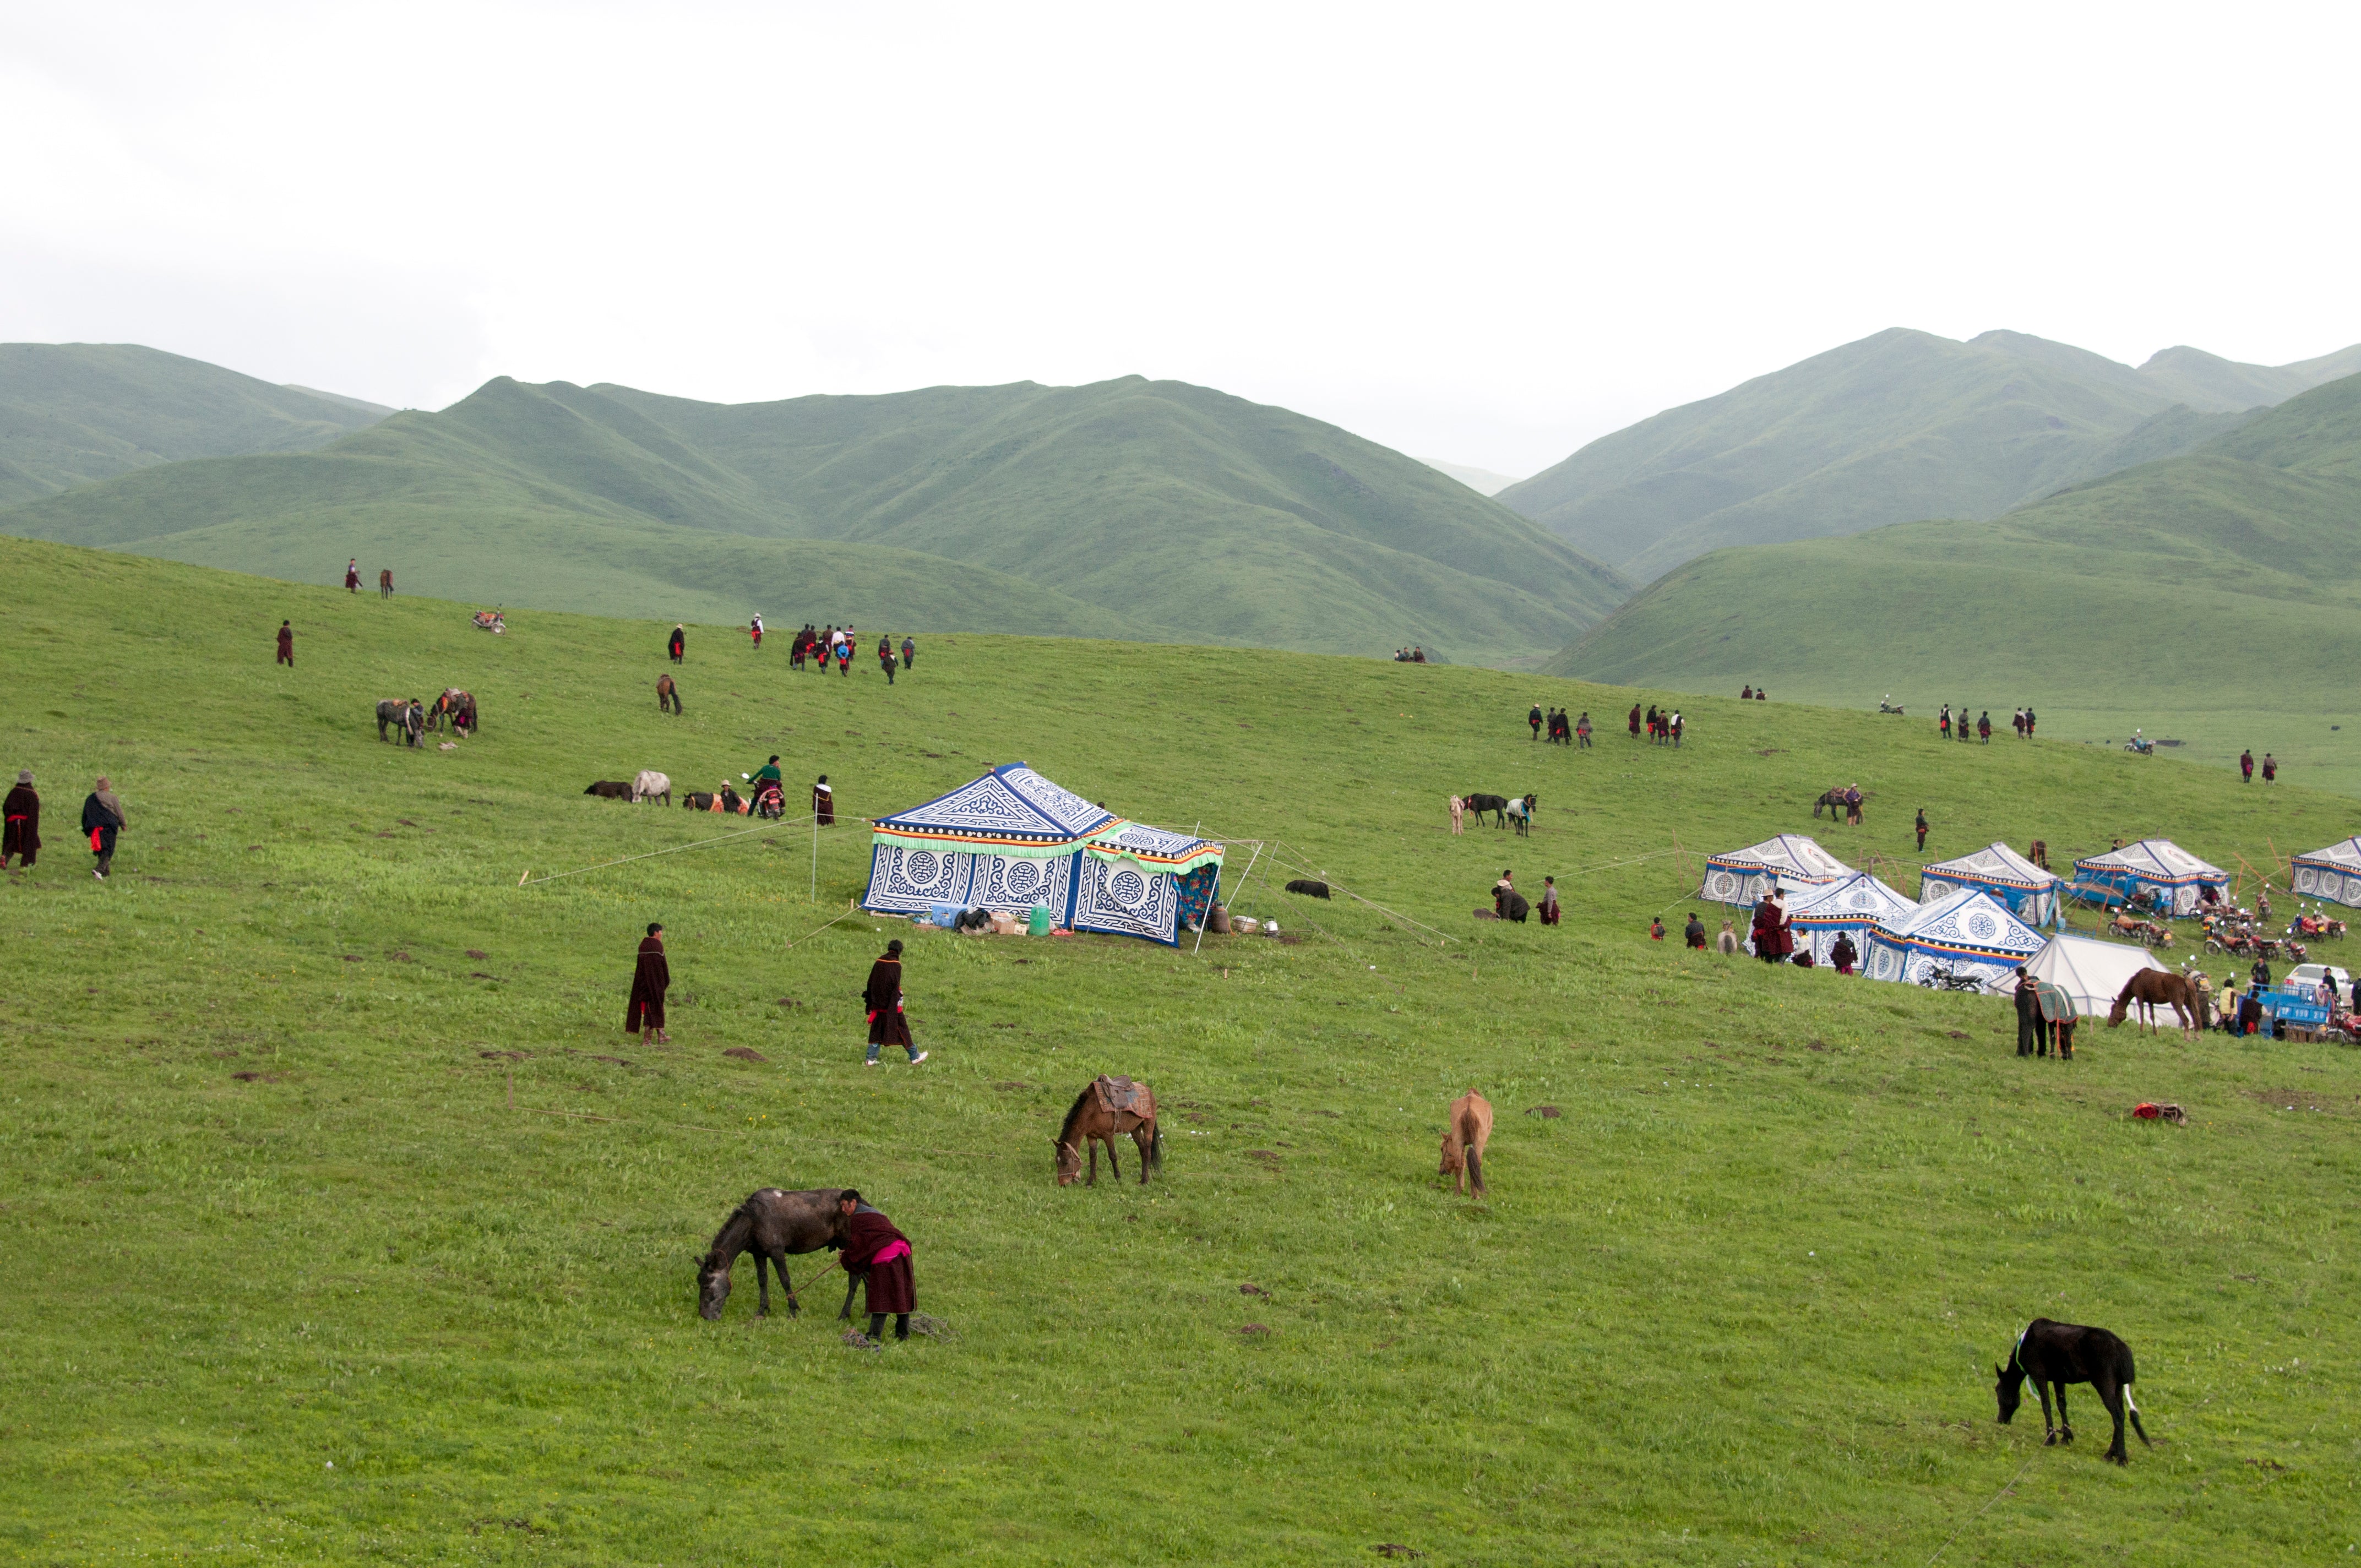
pixel 2027 890
pixel 1970 932
pixel 1013 840
pixel 2157 866
pixel 1743 876
pixel 2332 874
pixel 1846 907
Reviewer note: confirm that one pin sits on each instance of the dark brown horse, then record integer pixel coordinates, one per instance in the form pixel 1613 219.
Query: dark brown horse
pixel 1107 1109
pixel 458 706
pixel 773 1226
pixel 2154 988
pixel 667 695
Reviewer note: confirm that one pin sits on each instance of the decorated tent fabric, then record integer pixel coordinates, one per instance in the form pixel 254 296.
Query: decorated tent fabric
pixel 1970 933
pixel 1743 876
pixel 2087 970
pixel 2157 866
pixel 1012 839
pixel 1850 906
pixel 2332 874
pixel 2027 890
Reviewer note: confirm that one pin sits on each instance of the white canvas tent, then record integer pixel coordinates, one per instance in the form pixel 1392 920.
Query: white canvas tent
pixel 1848 906
pixel 1743 876
pixel 2157 866
pixel 2332 874
pixel 2029 891
pixel 1971 932
pixel 2087 970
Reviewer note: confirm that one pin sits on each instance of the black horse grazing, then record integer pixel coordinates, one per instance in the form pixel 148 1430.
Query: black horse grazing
pixel 409 718
pixel 1308 888
pixel 610 789
pixel 2058 1353
pixel 1498 804
pixel 773 1226
pixel 1834 800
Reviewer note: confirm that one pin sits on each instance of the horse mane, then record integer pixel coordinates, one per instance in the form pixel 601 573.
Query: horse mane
pixel 2130 985
pixel 741 1215
pixel 1074 1113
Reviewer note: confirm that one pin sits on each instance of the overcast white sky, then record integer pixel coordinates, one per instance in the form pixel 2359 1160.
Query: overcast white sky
pixel 1482 234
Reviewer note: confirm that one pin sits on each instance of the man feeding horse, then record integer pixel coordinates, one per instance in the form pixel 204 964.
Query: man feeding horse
pixel 880 1256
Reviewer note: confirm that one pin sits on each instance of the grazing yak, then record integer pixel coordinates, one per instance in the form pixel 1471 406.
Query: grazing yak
pixel 610 789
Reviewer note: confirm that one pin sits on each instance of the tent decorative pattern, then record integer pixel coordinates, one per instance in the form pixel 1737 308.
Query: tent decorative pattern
pixel 2157 866
pixel 1850 906
pixel 1013 840
pixel 1970 932
pixel 2024 887
pixel 1743 876
pixel 2332 874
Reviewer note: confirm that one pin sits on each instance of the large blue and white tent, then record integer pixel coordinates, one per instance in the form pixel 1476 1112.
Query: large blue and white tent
pixel 1743 876
pixel 2332 874
pixel 2157 866
pixel 1970 932
pixel 1014 840
pixel 1846 907
pixel 2025 888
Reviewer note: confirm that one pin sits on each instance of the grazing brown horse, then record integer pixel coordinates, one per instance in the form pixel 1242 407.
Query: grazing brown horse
pixel 1107 1109
pixel 2038 854
pixel 2154 988
pixel 1463 1139
pixel 667 695
pixel 773 1226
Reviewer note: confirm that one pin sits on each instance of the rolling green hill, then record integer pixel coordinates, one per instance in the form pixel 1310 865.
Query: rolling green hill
pixel 342 1223
pixel 1897 426
pixel 2208 598
pixel 73 412
pixel 1166 511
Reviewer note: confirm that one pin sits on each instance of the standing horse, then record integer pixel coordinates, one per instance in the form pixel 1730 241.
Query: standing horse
pixel 2058 1353
pixel 667 695
pixel 1108 1108
pixel 456 705
pixel 410 717
pixel 2154 988
pixel 1521 808
pixel 1464 1138
pixel 1496 804
pixel 773 1226
pixel 1834 800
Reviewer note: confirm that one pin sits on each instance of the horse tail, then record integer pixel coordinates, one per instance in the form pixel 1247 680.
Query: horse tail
pixel 1468 1151
pixel 1156 1145
pixel 2126 1375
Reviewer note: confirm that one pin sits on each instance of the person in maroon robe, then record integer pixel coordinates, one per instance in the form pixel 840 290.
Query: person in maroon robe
pixel 880 1256
pixel 287 644
pixel 649 981
pixel 1770 930
pixel 352 576
pixel 823 803
pixel 882 998
pixel 23 811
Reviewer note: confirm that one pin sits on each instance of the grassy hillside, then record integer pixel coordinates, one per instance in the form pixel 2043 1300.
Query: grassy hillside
pixel 2207 598
pixel 1170 510
pixel 72 412
pixel 290 1277
pixel 1897 426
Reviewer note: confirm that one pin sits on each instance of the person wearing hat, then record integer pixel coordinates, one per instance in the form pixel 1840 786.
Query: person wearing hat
pixel 882 999
pixel 23 811
pixel 101 818
pixel 651 978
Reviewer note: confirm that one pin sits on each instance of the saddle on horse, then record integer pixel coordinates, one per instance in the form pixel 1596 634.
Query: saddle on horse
pixel 1121 1095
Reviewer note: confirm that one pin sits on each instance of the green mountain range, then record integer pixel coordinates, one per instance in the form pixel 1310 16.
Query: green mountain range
pixel 2207 597
pixel 1898 426
pixel 72 412
pixel 1152 510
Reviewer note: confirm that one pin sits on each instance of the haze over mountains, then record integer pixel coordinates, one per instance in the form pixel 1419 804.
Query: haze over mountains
pixel 1153 509
pixel 1896 427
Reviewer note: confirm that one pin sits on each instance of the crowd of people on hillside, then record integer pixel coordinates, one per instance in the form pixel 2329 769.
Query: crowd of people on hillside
pixel 1410 655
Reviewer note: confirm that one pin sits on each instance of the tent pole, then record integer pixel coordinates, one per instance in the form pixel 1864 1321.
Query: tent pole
pixel 815 857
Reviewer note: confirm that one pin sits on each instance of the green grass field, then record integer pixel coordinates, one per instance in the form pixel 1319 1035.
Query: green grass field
pixel 1739 1304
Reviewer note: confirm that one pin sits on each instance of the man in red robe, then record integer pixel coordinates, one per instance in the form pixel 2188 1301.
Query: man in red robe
pixel 882 997
pixel 649 982
pixel 287 644
pixel 23 810
pixel 880 1256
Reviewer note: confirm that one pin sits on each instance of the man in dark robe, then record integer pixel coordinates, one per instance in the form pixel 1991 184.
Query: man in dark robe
pixel 353 575
pixel 1769 929
pixel 824 802
pixel 287 644
pixel 23 811
pixel 1922 830
pixel 878 1256
pixel 1693 932
pixel 1549 900
pixel 678 642
pixel 909 653
pixel 1533 721
pixel 1635 720
pixel 885 656
pixel 882 997
pixel 1843 954
pixel 649 982
pixel 2028 1016
pixel 101 818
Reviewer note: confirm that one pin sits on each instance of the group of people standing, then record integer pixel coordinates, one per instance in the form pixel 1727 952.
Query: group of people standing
pixel 1664 726
pixel 815 647
pixel 103 817
pixel 2246 767
pixel 1555 726
pixel 1410 655
pixel 1508 903
pixel 353 580
pixel 1950 726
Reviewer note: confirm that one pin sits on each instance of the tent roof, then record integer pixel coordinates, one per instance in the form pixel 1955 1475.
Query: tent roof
pixel 1012 804
pixel 2087 969
pixel 1996 864
pixel 1968 920
pixel 1787 854
pixel 2344 855
pixel 2161 859
pixel 1856 900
